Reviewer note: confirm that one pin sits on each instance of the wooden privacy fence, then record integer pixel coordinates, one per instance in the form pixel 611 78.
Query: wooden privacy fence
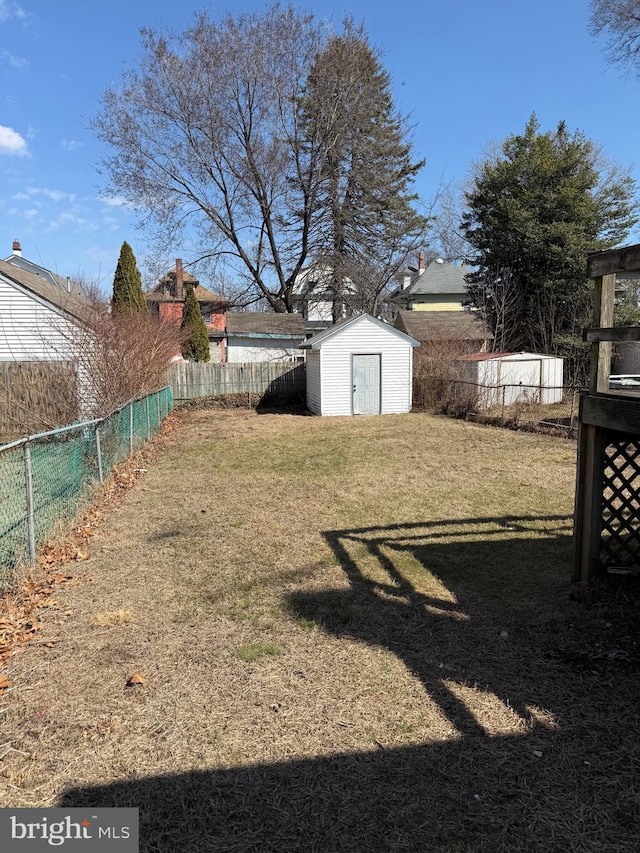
pixel 281 380
pixel 36 395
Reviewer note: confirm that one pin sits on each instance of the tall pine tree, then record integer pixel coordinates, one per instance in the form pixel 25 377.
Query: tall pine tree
pixel 534 212
pixel 127 284
pixel 195 345
pixel 365 223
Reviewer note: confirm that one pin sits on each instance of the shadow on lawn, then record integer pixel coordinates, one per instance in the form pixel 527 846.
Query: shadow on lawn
pixel 480 625
pixel 497 617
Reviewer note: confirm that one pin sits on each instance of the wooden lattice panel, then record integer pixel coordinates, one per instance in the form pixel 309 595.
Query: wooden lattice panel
pixel 620 538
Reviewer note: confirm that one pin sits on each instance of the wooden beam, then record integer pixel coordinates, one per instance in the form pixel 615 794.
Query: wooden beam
pixel 587 529
pixel 620 414
pixel 619 333
pixel 603 300
pixel 626 259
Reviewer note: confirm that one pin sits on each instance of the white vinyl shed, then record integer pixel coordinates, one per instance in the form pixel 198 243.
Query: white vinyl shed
pixel 360 366
pixel 506 378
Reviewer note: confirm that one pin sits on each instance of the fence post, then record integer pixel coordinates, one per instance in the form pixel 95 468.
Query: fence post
pixel 146 405
pixel 131 427
pixel 99 453
pixel 158 407
pixel 28 475
pixel 504 388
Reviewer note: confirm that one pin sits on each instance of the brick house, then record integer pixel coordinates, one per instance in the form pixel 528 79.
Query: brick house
pixel 166 301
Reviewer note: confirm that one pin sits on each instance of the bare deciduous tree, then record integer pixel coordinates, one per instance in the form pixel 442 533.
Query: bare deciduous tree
pixel 619 20
pixel 206 141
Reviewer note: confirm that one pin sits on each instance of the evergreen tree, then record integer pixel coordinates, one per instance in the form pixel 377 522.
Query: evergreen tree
pixel 127 284
pixel 365 223
pixel 533 214
pixel 195 345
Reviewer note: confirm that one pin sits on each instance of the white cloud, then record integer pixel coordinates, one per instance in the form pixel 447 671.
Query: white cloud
pixel 11 142
pixel 71 144
pixel 114 201
pixel 53 195
pixel 11 11
pixel 12 60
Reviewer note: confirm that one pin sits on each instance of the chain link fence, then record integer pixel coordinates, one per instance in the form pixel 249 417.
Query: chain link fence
pixel 525 406
pixel 45 478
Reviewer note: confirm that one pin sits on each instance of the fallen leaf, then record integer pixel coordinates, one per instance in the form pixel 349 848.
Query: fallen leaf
pixel 5 682
pixel 136 678
pixel 61 578
pixel 81 555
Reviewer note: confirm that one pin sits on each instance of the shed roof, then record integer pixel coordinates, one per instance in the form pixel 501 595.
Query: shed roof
pixel 319 338
pixel 507 356
pixel 42 288
pixel 442 325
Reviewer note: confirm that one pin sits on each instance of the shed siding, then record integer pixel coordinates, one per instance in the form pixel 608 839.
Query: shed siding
pixel 31 331
pixel 396 368
pixel 313 382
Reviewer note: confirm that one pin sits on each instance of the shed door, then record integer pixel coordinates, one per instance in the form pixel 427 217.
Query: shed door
pixel 366 384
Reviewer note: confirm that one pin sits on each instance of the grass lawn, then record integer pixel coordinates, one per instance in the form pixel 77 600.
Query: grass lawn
pixel 352 635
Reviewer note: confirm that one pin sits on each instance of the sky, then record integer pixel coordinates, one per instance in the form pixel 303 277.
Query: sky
pixel 468 73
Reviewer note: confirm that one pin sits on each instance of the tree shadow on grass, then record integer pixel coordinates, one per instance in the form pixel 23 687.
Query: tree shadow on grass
pixel 496 605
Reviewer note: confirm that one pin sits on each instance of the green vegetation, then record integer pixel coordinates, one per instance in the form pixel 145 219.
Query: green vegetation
pixel 535 210
pixel 254 651
pixel 127 284
pixel 195 345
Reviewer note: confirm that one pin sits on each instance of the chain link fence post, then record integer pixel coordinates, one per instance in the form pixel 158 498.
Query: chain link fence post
pixel 131 427
pixel 99 455
pixel 28 481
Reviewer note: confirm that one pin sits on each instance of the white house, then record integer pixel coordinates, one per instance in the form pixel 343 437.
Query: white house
pixel 253 336
pixel 40 322
pixel 360 366
pixel 313 294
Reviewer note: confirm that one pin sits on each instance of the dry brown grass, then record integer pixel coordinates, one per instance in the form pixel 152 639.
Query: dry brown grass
pixel 356 635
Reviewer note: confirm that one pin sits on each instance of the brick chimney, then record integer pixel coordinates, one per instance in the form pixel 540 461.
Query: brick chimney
pixel 17 248
pixel 179 279
pixel 421 262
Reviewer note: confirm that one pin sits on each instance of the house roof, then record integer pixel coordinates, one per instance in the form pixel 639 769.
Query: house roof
pixel 442 325
pixel 165 290
pixel 43 289
pixel 438 277
pixel 65 284
pixel 268 324
pixel 320 337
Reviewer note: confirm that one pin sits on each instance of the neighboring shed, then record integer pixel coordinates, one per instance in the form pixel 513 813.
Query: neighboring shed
pixel 506 378
pixel 360 366
pixel 268 336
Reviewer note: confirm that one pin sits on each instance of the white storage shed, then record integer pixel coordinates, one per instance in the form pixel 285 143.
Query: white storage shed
pixel 506 378
pixel 360 366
